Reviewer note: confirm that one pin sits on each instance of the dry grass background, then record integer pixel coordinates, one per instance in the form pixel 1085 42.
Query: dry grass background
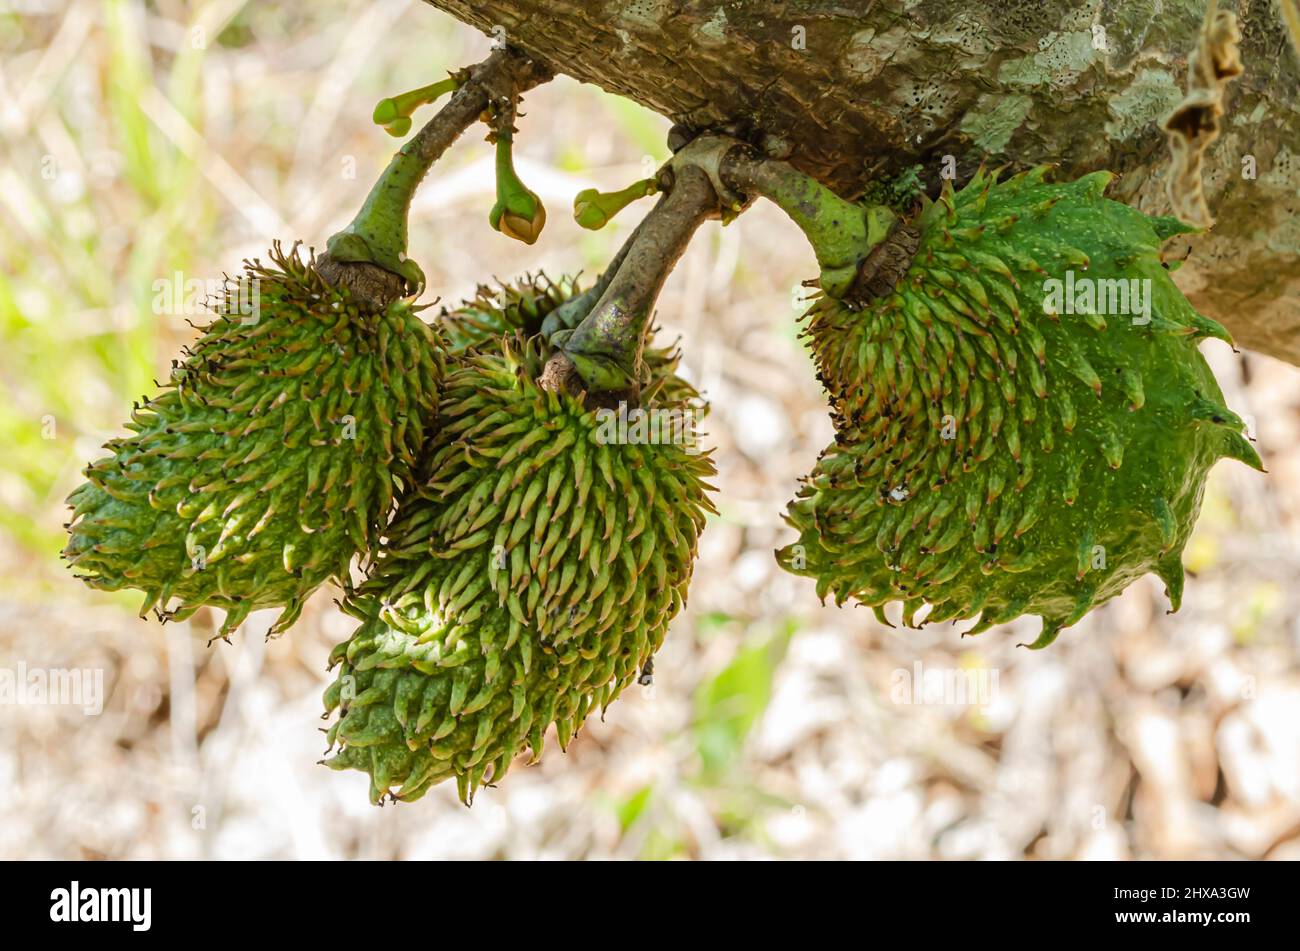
pixel 139 139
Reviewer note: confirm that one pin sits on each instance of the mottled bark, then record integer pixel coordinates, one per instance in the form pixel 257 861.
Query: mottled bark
pixel 858 89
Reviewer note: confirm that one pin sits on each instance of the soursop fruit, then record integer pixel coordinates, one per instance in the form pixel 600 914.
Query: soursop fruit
pixel 1006 443
pixel 270 458
pixel 507 309
pixel 522 307
pixel 526 583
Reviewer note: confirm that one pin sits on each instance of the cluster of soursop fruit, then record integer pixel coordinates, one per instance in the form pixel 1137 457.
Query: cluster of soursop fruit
pixel 512 569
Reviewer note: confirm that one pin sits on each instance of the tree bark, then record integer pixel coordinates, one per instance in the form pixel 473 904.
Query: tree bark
pixel 862 89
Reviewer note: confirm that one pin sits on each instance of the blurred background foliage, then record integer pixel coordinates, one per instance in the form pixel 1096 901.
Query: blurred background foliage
pixel 148 147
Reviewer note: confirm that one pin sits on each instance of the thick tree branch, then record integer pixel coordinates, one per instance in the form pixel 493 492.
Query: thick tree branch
pixel 856 89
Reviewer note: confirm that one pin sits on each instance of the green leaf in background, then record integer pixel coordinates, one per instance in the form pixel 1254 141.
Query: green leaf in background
pixel 632 808
pixel 639 124
pixel 729 705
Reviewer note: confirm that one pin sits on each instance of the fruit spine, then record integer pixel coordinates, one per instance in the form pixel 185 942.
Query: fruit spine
pixel 508 308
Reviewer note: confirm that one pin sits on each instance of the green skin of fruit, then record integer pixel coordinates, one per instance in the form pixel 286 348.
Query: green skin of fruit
pixel 526 583
pixel 507 309
pixel 524 306
pixel 269 460
pixel 993 459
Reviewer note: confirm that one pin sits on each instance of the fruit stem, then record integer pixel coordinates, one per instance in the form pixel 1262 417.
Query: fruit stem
pixel 378 232
pixel 377 235
pixel 603 354
pixel 841 232
pixel 572 312
pixel 518 212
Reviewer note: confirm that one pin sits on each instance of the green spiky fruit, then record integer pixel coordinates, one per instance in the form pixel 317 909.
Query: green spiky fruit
pixel 522 306
pixel 528 581
pixel 519 307
pixel 998 454
pixel 270 458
